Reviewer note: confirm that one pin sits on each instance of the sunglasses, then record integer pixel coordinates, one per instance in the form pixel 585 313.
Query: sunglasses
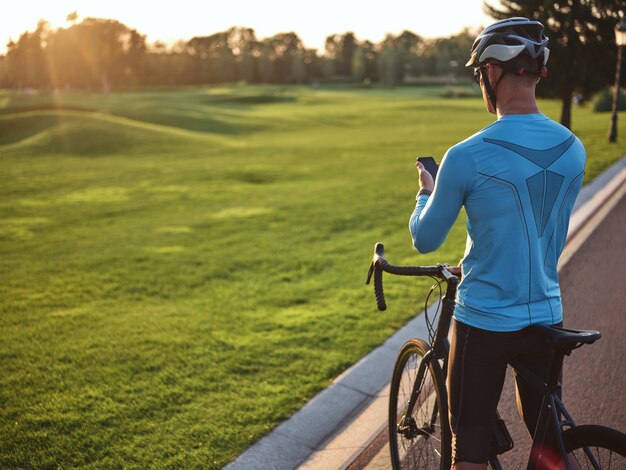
pixel 477 74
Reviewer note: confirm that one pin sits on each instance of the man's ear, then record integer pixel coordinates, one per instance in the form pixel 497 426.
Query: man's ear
pixel 493 72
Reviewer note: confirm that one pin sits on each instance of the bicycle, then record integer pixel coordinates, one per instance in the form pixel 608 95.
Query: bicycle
pixel 419 431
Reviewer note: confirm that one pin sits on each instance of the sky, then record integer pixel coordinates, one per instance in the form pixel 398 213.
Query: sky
pixel 312 21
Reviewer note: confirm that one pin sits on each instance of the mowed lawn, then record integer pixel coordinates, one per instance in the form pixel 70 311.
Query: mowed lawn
pixel 182 270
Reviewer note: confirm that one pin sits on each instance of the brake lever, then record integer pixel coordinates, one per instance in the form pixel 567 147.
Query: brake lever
pixel 369 273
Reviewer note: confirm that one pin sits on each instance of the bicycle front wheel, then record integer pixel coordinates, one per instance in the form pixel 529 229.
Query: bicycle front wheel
pixel 595 447
pixel 419 438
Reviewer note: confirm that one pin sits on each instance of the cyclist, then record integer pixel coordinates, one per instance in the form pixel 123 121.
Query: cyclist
pixel 517 179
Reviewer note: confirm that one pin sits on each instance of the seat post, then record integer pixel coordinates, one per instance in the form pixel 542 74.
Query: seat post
pixel 555 370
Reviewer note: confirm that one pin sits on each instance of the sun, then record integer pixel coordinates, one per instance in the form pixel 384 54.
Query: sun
pixel 183 19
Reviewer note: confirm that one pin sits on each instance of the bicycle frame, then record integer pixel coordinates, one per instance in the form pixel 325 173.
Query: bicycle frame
pixel 552 408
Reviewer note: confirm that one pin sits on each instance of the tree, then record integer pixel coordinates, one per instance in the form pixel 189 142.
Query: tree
pixel 364 63
pixel 72 17
pixel 26 59
pixel 370 56
pixel 409 46
pixel 340 48
pixel 448 55
pixel 358 64
pixel 246 49
pixel 5 81
pixel 582 43
pixel 133 63
pixel 104 44
pixel 266 64
pixel 68 69
pixel 247 63
pixel 332 52
pixel 165 66
pixel 214 60
pixel 388 61
pixel 348 46
pixel 395 56
pixel 285 48
pixel 298 70
pixel 312 64
pixel 328 68
pixel 95 53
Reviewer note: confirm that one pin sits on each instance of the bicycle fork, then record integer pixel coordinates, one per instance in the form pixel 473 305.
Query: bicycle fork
pixel 407 426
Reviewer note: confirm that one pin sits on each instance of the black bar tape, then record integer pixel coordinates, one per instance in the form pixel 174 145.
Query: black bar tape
pixel 378 288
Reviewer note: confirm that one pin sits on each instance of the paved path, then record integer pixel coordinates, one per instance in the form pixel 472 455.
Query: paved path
pixel 594 297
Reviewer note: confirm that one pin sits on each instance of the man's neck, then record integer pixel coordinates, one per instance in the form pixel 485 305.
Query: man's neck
pixel 515 100
pixel 522 107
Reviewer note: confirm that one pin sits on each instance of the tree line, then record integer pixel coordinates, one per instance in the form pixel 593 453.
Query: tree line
pixel 104 54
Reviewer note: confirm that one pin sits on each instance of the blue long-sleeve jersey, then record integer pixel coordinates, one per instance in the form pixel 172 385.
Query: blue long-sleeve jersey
pixel 518 180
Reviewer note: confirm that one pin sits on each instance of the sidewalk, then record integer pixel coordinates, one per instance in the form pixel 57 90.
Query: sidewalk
pixel 336 427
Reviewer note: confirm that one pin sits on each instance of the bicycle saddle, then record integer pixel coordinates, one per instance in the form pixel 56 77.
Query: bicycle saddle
pixel 559 337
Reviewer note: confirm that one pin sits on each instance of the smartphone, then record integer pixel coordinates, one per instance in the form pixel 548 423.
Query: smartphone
pixel 430 165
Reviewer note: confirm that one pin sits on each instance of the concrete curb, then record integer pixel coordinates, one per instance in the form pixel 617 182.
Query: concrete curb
pixel 319 434
pixel 606 178
pixel 595 194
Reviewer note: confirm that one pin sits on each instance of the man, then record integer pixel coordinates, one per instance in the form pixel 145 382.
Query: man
pixel 518 180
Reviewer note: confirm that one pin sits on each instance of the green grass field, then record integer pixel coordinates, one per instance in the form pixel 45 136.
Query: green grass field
pixel 182 270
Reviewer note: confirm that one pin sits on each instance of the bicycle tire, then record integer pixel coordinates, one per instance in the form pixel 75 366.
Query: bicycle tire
pixel 607 445
pixel 426 440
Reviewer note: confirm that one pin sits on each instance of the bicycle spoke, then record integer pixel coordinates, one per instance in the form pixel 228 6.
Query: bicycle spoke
pixel 416 436
pixel 601 458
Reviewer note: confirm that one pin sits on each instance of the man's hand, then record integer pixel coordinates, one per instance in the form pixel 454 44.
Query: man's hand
pixel 456 270
pixel 426 179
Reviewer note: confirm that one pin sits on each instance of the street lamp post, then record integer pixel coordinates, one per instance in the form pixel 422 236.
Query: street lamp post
pixel 620 40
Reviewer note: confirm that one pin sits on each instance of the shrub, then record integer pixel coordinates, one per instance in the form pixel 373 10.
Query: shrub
pixel 603 101
pixel 459 92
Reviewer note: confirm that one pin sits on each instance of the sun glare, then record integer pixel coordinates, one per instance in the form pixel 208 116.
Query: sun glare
pixel 160 21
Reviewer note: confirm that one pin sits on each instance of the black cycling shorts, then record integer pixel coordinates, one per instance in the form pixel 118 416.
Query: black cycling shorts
pixel 476 372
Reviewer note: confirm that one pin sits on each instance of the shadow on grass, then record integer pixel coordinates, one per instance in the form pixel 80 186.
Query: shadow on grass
pixel 198 121
pixel 88 136
pixel 251 99
pixel 43 107
pixel 13 130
